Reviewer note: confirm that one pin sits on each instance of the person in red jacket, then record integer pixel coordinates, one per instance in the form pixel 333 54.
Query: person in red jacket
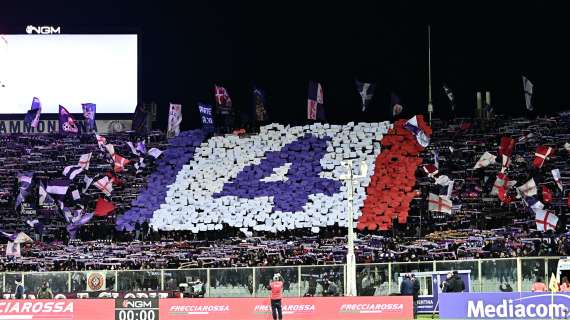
pixel 276 293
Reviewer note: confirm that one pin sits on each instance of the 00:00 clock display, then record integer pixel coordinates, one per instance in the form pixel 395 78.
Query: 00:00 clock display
pixel 137 315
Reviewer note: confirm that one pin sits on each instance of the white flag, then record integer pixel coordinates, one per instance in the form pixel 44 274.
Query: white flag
pixel 557 178
pixel 110 148
pixel 13 249
pixel 88 181
pixel 101 141
pixel 529 188
pixel 527 87
pixel 485 160
pixel 75 195
pixel 174 120
pixel 545 220
pixel 105 185
pixel 84 161
pixel 72 171
pixel 154 152
pixel 439 203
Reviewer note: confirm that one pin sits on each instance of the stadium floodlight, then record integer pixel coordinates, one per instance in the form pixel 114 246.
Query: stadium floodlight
pixel 350 178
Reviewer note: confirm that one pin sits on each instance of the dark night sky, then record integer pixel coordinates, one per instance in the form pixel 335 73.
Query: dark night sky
pixel 187 46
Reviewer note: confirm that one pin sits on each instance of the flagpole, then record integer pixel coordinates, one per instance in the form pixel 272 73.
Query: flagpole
pixel 430 105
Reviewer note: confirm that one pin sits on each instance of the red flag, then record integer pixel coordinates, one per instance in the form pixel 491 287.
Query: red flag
pixel 502 193
pixel 114 179
pixel 569 199
pixel 506 146
pixel 120 162
pixel 103 207
pixel 546 194
pixel 430 170
pixel 542 152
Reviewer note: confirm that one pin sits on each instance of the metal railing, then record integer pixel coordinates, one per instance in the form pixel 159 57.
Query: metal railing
pixel 372 279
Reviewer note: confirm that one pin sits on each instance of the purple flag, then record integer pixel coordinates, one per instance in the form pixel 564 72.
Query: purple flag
pixel 33 116
pixel 66 122
pixel 89 110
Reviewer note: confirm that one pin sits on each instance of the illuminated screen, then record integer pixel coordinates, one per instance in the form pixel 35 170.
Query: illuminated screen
pixel 68 70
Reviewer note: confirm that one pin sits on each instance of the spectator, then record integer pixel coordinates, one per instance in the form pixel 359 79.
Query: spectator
pixel 565 285
pixel 407 286
pixel 539 286
pixel 276 292
pixel 459 284
pixel 332 289
pixel 447 284
pixel 20 290
pixel 506 288
pixel 45 291
pixel 312 290
pixel 416 288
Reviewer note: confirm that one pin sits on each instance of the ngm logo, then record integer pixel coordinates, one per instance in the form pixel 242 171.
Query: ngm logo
pixel 43 30
pixel 137 304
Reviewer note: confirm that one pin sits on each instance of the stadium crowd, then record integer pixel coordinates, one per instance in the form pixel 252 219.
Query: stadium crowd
pixel 479 226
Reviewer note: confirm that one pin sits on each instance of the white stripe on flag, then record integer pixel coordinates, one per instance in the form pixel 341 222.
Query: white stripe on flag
pixel 61 190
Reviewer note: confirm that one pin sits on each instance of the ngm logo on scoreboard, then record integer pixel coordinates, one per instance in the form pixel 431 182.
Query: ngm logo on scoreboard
pixel 30 29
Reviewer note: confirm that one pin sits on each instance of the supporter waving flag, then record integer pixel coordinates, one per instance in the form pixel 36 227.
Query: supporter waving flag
pixel 89 110
pixel 366 91
pixel 505 163
pixel 450 96
pixel 174 120
pixel 140 119
pixel 259 105
pixel 37 225
pixel 528 88
pixel 557 178
pixel 25 180
pixel 315 102
pixel 223 100
pixel 32 118
pixel 396 104
pixel 77 222
pixel 44 197
pixel 412 126
pixel 101 141
pixel 67 124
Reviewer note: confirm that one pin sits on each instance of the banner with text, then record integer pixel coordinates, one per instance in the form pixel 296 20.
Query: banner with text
pixel 504 305
pixel 51 126
pixel 338 308
pixel 73 309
